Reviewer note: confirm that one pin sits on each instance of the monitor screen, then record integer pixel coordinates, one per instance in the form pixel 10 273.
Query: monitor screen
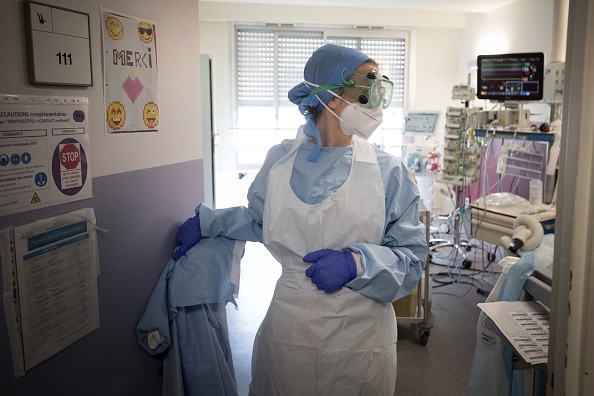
pixel 422 122
pixel 510 77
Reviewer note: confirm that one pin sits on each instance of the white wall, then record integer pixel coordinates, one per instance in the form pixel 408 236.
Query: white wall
pixel 339 14
pixel 179 137
pixel 523 26
pixel 435 68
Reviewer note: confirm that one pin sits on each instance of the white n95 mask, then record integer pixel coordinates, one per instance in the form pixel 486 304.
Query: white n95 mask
pixel 356 119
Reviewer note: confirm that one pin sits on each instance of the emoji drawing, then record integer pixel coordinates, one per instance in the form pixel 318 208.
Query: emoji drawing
pixel 150 114
pixel 114 27
pixel 145 32
pixel 116 115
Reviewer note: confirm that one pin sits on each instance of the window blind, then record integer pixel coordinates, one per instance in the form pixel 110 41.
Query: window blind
pixel 270 62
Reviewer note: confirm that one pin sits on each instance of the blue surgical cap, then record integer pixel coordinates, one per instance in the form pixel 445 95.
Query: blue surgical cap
pixel 327 65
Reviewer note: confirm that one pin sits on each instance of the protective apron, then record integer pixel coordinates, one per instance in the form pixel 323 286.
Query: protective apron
pixel 312 342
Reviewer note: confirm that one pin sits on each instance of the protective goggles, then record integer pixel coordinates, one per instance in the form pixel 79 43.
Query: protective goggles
pixel 368 88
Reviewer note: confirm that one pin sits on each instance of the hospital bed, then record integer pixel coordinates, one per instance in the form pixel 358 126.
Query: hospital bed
pixel 491 222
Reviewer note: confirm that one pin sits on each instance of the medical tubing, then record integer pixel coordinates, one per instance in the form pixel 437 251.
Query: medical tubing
pixel 466 272
pixel 456 295
pixel 474 271
pixel 485 164
pixel 514 136
pixel 488 151
pixel 486 189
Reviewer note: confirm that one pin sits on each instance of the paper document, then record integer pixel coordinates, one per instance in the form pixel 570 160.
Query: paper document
pixel 525 324
pixel 57 265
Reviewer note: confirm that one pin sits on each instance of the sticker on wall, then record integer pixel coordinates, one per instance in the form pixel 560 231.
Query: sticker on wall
pixel 69 166
pixel 130 74
pixel 44 143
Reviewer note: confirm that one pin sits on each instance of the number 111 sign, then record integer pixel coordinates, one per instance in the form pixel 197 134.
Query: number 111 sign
pixel 58 45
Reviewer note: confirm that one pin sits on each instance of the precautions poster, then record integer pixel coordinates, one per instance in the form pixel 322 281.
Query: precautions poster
pixel 53 301
pixel 130 74
pixel 44 151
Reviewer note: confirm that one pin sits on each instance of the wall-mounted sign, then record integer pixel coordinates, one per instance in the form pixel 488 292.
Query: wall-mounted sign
pixel 50 271
pixel 130 74
pixel 44 151
pixel 58 45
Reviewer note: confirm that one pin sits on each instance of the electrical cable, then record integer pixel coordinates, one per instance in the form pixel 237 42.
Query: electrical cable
pixel 456 295
pixel 441 283
pixel 474 274
pixel 467 272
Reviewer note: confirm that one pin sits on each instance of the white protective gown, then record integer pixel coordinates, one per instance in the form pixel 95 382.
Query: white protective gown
pixel 312 342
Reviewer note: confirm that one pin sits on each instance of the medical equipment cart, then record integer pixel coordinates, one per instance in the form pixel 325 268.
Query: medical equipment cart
pixel 421 319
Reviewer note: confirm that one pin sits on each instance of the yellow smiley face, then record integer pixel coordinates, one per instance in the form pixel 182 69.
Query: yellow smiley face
pixel 116 115
pixel 114 27
pixel 150 114
pixel 145 32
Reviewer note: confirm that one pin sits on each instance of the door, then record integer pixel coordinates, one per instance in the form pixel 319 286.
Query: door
pixel 207 130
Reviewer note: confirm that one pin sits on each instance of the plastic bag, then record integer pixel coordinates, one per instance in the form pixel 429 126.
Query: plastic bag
pixel 487 374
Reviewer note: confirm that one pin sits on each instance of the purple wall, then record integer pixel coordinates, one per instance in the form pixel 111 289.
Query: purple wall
pixel 141 210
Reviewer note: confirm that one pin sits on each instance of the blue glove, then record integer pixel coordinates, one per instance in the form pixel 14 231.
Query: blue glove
pixel 188 234
pixel 331 269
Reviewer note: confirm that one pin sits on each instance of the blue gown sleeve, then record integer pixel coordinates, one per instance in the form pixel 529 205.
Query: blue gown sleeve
pixel 239 222
pixel 392 270
pixel 152 330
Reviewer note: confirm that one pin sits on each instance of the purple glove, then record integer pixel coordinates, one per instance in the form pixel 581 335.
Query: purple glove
pixel 331 269
pixel 188 234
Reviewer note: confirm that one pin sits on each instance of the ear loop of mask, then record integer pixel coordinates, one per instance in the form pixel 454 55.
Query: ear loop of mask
pixel 320 88
pixel 329 88
pixel 328 108
pixel 313 156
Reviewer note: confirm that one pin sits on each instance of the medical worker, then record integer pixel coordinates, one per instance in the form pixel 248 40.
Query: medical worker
pixel 342 219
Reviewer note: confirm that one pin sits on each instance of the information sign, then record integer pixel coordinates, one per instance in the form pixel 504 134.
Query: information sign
pixel 44 146
pixel 58 45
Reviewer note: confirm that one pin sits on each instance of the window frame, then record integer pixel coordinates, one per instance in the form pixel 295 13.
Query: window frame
pixel 324 33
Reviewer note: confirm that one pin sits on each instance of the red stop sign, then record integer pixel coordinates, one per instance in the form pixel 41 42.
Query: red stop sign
pixel 70 156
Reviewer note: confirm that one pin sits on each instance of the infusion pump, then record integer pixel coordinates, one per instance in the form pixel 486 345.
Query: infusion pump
pixel 463 92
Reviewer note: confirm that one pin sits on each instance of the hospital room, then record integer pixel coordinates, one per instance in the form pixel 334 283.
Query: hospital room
pixel 161 256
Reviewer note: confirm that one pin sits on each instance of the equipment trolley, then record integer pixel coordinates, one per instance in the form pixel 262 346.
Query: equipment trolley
pixel 421 317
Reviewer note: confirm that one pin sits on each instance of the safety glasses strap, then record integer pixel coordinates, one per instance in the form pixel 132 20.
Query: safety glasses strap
pixel 328 87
